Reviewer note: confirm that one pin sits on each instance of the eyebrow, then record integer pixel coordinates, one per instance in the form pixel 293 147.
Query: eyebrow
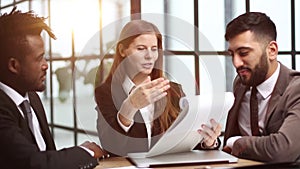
pixel 142 45
pixel 240 48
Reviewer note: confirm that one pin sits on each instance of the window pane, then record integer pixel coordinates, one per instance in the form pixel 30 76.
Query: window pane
pixel 179 34
pixel 23 6
pixel 115 14
pixel 62 93
pixel 6 10
pixel 298 62
pixel 230 72
pixel 211 24
pixel 114 10
pixel 182 9
pixel 180 69
pixel 153 6
pixel 6 2
pixel 40 8
pixel 212 74
pixel 61 26
pixel 172 29
pixel 86 137
pixel 158 20
pixel 239 7
pixel 180 23
pixel 85 103
pixel 86 23
pixel 63 138
pixel 233 8
pixel 297 23
pixel 286 60
pixel 280 14
pixel 81 17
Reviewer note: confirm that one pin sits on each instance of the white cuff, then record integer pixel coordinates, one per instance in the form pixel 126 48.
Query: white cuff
pixel 125 128
pixel 204 146
pixel 88 150
pixel 231 140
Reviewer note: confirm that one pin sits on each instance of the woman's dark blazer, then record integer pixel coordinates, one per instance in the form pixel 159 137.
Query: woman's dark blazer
pixel 112 137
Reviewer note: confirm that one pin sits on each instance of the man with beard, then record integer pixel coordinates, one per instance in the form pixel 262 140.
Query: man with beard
pixel 268 136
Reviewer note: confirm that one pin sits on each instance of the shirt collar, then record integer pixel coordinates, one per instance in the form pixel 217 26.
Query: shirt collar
pixel 14 95
pixel 266 88
pixel 128 85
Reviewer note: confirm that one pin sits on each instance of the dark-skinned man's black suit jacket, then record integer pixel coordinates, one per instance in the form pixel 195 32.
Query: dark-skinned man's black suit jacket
pixel 18 149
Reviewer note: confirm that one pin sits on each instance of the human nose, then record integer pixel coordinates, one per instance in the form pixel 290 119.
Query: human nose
pixel 150 54
pixel 237 61
pixel 45 64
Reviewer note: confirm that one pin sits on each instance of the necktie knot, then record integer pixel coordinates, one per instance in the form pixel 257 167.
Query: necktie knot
pixel 26 106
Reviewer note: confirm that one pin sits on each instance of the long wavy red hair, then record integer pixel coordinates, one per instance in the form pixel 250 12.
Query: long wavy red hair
pixel 165 111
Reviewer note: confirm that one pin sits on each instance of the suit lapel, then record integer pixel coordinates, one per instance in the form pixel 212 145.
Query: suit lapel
pixel 239 98
pixel 24 126
pixel 41 116
pixel 232 118
pixel 281 84
pixel 18 117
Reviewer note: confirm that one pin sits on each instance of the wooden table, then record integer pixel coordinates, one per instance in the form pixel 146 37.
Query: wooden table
pixel 116 162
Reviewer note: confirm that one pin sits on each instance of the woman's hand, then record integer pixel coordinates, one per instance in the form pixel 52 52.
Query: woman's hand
pixel 144 94
pixel 210 134
pixel 148 92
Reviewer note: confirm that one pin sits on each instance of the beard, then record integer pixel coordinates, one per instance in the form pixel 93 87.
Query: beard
pixel 258 73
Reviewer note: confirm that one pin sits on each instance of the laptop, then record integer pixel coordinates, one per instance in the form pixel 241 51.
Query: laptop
pixel 191 157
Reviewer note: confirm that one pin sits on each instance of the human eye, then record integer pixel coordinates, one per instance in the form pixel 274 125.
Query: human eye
pixel 41 57
pixel 141 48
pixel 154 48
pixel 243 52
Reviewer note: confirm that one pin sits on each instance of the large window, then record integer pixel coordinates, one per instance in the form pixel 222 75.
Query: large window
pixel 194 45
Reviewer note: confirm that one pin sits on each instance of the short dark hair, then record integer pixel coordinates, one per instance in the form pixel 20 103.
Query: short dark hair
pixel 14 27
pixel 258 23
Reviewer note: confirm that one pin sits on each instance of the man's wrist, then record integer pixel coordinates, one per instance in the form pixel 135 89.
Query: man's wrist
pixel 213 146
pixel 88 151
pixel 230 141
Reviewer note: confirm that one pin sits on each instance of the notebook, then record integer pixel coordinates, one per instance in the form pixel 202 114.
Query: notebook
pixel 191 157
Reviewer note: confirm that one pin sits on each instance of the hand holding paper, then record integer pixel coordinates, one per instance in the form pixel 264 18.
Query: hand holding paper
pixel 210 133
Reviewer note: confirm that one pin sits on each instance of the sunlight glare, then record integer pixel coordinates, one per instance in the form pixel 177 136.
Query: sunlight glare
pixel 80 17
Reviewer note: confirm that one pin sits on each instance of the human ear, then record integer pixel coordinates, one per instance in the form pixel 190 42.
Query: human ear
pixel 122 50
pixel 14 65
pixel 272 50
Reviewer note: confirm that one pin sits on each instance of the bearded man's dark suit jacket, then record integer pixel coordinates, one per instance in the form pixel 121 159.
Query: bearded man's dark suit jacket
pixel 18 149
pixel 280 138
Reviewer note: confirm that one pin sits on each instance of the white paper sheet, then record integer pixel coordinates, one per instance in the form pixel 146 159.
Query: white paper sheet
pixel 182 135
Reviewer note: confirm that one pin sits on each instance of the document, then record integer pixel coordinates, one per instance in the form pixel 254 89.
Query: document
pixel 182 135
